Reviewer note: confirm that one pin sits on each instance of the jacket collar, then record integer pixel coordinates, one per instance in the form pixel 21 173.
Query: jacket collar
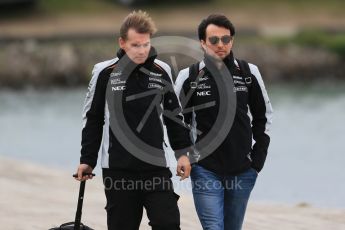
pixel 218 67
pixel 129 64
pixel 229 60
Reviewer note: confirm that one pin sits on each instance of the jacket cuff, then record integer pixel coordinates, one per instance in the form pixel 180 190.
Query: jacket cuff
pixel 90 163
pixel 257 162
pixel 184 152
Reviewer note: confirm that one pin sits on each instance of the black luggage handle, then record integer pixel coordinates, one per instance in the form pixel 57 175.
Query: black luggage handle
pixel 80 201
pixel 84 174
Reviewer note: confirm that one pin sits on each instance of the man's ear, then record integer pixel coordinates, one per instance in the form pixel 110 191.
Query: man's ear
pixel 203 45
pixel 121 42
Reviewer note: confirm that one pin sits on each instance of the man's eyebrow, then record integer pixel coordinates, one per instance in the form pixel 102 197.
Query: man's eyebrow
pixel 139 42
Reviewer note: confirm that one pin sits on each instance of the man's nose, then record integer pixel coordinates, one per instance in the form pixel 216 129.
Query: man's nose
pixel 141 49
pixel 220 44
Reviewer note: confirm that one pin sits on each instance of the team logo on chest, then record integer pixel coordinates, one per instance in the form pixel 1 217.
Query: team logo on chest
pixel 204 86
pixel 203 78
pixel 240 89
pixel 116 74
pixel 117 84
pixel 155 83
pixel 154 86
pixel 203 93
pixel 118 88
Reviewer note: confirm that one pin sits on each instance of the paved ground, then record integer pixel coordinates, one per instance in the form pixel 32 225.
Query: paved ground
pixel 35 197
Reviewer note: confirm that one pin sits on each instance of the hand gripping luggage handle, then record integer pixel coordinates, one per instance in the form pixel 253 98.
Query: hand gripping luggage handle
pixel 80 202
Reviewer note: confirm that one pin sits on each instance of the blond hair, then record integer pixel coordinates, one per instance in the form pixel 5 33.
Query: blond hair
pixel 140 21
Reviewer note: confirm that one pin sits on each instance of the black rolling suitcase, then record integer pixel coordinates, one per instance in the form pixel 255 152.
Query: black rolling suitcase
pixel 76 225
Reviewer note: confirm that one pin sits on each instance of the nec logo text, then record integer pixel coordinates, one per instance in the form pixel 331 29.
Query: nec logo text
pixel 204 93
pixel 118 88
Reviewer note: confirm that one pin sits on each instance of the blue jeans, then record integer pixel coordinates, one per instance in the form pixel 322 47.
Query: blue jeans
pixel 221 201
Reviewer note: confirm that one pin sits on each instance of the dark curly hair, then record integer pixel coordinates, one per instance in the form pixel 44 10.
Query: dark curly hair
pixel 218 20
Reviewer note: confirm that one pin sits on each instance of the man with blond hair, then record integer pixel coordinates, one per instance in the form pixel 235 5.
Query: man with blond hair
pixel 125 87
